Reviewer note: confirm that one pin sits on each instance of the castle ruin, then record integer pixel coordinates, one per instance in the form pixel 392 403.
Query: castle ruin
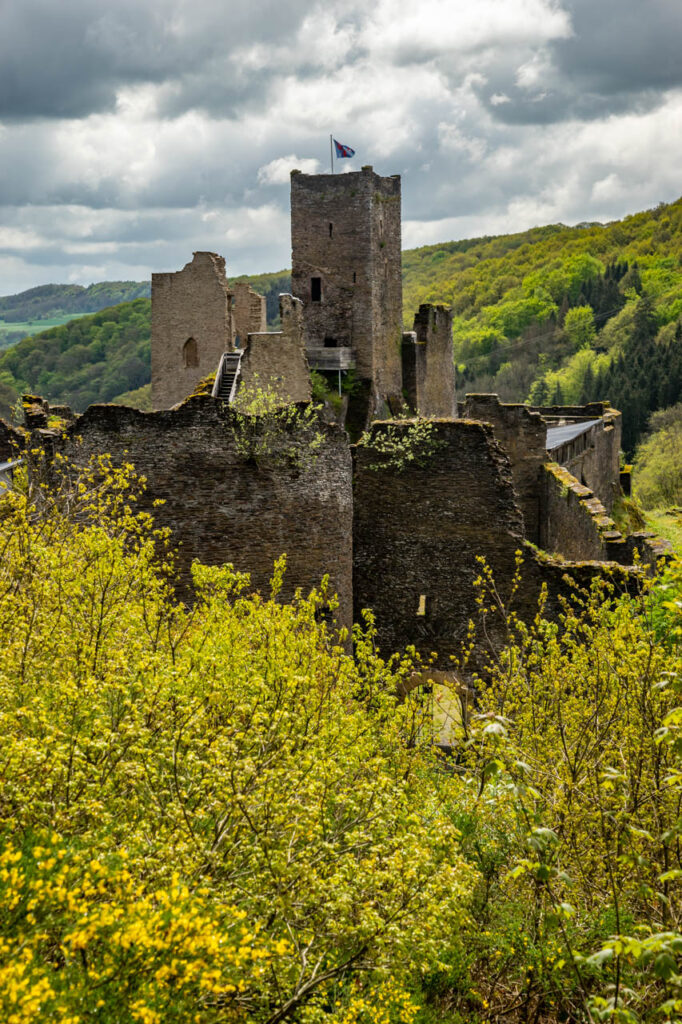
pixel 403 541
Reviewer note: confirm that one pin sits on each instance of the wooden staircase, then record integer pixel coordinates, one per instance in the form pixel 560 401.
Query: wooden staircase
pixel 227 377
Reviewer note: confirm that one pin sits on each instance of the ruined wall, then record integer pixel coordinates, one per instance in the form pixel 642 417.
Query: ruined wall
pixel 416 537
pixel 248 312
pixel 417 534
pixel 523 435
pixel 594 457
pixel 345 234
pixel 576 523
pixel 223 508
pixel 277 360
pixel 428 366
pixel 191 327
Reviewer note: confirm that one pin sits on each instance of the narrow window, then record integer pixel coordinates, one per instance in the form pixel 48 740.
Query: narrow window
pixel 355 277
pixel 331 230
pixel 190 353
pixel 421 610
pixel 316 289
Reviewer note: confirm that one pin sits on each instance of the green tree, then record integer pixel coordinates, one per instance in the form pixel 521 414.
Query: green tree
pixel 579 326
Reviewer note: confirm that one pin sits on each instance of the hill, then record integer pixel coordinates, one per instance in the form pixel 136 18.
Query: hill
pixel 565 314
pixel 92 359
pixel 52 300
pixel 553 314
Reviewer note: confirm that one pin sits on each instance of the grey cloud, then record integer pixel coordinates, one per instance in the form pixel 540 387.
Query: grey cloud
pixel 622 56
pixel 68 59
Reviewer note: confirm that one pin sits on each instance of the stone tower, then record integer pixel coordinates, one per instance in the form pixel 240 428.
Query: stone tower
pixel 346 269
pixel 191 327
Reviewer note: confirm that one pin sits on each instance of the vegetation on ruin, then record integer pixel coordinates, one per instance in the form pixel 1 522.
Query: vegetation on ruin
pixel 216 814
pixel 271 432
pixel 399 444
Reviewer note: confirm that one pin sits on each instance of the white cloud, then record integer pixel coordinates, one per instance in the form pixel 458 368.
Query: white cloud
pixel 278 171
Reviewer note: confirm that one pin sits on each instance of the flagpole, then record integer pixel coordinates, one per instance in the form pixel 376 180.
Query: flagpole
pixel 331 152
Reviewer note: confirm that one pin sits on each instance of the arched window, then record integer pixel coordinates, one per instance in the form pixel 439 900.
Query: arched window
pixel 190 353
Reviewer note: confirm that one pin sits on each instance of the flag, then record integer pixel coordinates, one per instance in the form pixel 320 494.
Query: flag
pixel 342 151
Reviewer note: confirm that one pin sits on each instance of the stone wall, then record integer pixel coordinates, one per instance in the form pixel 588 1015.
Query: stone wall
pixel 248 312
pixel 191 327
pixel 223 508
pixel 345 238
pixel 12 442
pixel 523 434
pixel 576 524
pixel 428 366
pixel 417 535
pixel 277 360
pixel 594 457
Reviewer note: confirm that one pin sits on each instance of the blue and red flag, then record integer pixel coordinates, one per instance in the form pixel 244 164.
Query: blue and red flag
pixel 343 151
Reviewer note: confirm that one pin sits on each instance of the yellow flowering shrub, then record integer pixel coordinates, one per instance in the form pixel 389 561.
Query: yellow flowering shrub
pixel 207 813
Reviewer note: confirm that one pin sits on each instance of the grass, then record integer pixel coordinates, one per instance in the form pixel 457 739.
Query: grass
pixel 28 327
pixel 667 523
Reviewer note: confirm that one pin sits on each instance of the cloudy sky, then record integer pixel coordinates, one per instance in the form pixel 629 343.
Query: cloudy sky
pixel 133 132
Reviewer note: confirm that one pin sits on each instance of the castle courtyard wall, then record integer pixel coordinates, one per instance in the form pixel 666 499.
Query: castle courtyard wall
pixel 418 532
pixel 222 507
pixel 418 537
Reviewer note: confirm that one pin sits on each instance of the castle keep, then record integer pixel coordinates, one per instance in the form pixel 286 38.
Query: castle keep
pixel 346 269
pixel 404 539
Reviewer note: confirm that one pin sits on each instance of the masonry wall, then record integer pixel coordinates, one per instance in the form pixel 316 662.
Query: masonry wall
pixel 277 360
pixel 345 231
pixel 191 327
pixel 417 534
pixel 12 442
pixel 427 362
pixel 594 458
pixel 523 435
pixel 577 526
pixel 221 508
pixel 248 312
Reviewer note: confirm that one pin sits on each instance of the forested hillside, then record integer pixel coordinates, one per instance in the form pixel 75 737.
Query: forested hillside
pixel 553 314
pixel 92 359
pixel 565 314
pixel 51 300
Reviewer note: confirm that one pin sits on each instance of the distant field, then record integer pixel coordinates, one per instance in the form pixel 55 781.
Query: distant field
pixel 17 331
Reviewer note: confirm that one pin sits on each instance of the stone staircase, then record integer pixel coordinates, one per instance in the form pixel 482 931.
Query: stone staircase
pixel 227 377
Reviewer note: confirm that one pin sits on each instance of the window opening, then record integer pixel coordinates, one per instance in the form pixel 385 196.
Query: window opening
pixel 421 610
pixel 190 353
pixel 331 230
pixel 355 277
pixel 316 289
pixel 330 343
